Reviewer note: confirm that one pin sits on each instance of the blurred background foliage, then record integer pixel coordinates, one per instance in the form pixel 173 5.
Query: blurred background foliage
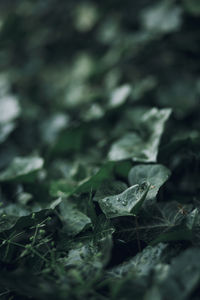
pixel 76 75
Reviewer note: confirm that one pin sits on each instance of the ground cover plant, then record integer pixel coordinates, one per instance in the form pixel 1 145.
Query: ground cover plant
pixel 100 150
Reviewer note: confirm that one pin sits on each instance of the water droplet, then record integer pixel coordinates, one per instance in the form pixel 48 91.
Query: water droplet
pixel 104 200
pixel 124 202
pixel 118 199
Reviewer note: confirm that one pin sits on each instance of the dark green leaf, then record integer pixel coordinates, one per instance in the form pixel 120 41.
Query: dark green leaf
pixel 126 203
pixel 142 263
pixel 74 221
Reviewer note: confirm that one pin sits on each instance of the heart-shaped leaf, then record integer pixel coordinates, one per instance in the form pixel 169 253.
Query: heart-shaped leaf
pixel 142 146
pixel 126 203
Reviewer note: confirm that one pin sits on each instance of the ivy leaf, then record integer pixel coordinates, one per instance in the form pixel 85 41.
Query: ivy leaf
pixel 67 187
pixel 94 182
pixel 162 222
pixel 104 175
pixel 18 222
pixel 142 263
pixel 119 95
pixel 127 203
pixel 10 109
pixel 162 18
pixel 61 187
pixel 90 255
pixel 74 221
pixel 90 252
pixel 22 169
pixel 68 141
pixel 109 189
pixel 156 175
pixel 142 146
pixel 182 277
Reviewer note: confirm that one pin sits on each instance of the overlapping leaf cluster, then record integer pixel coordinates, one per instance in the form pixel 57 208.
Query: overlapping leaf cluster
pixel 99 157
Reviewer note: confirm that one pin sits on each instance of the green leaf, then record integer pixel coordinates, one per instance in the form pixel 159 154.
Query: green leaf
pixel 162 17
pixel 119 96
pixel 182 277
pixel 126 203
pixel 94 182
pixel 122 169
pixel 74 221
pixel 5 130
pixel 62 187
pixel 15 209
pixel 22 169
pixel 8 222
pixel 108 188
pixel 81 92
pixel 25 285
pixel 69 141
pixel 192 6
pixel 142 146
pixel 65 187
pixel 9 108
pixel 128 288
pixel 156 175
pixel 162 222
pixel 142 263
pixel 90 255
pixel 90 252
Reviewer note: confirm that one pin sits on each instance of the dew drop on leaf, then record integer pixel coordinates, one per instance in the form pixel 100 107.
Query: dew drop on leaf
pixel 124 202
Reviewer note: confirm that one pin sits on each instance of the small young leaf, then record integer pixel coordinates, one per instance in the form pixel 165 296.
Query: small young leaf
pixel 125 204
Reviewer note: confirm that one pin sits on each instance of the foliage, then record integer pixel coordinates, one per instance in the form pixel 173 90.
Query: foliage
pixel 99 157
